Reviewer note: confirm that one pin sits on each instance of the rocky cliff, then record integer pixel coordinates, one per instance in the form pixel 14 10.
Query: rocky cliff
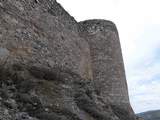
pixel 54 68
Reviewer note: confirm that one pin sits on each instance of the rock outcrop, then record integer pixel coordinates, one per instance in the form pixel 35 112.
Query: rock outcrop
pixel 54 68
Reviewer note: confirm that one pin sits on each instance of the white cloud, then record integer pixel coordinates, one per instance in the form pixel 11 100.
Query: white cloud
pixel 147 98
pixel 138 23
pixel 144 87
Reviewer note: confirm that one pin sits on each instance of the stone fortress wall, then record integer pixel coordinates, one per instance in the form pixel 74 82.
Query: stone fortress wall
pixel 107 62
pixel 59 68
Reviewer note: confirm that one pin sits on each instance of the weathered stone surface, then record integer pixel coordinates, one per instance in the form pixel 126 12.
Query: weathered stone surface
pixel 53 68
pixel 107 62
pixel 39 34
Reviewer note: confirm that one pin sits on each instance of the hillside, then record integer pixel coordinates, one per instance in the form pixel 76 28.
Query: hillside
pixel 150 115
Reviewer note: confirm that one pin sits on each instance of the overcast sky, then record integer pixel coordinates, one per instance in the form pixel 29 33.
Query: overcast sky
pixel 138 23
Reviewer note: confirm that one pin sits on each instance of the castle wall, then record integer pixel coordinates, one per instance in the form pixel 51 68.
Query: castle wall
pixel 107 63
